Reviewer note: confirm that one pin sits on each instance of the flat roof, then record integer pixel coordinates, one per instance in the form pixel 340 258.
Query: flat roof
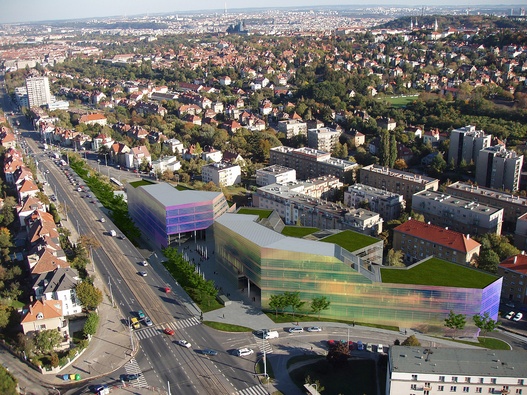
pixel 246 226
pixel 457 201
pixel 350 240
pixel 437 272
pixel 168 196
pixel 459 362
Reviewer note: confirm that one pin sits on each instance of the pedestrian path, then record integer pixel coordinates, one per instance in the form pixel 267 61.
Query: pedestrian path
pixel 132 367
pixel 152 331
pixel 263 345
pixel 254 390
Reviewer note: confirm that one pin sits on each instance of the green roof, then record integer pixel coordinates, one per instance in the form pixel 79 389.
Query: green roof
pixel 140 183
pixel 435 271
pixel 255 211
pixel 350 240
pixel 298 231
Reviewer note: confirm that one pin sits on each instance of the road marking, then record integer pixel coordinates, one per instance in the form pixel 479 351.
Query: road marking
pixel 254 390
pixel 148 332
pixel 132 367
pixel 263 345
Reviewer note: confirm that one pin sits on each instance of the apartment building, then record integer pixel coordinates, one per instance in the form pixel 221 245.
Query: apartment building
pixel 457 213
pixel 387 204
pixel 301 203
pixel 292 127
pixel 323 139
pixel 465 144
pixel 513 206
pixel 396 181
pixel 38 92
pixel 499 168
pixel 514 273
pixel 275 174
pixel 436 371
pixel 419 240
pixel 311 163
pixel 222 174
pixel 520 233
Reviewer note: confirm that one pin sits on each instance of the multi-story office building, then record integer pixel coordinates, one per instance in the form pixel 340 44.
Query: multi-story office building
pixel 38 92
pixel 323 139
pixel 311 163
pixel 222 174
pixel 396 181
pixel 513 206
pixel 339 267
pixel 437 371
pixel 300 203
pixel 499 168
pixel 457 213
pixel 388 204
pixel 292 127
pixel 465 144
pixel 514 273
pixel 275 174
pixel 164 213
pixel 419 240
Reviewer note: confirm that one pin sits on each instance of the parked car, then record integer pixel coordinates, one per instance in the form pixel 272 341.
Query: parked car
pixel 510 315
pixel 209 352
pixel 144 263
pixel 148 321
pixel 296 329
pixel 314 329
pixel 369 347
pixel 380 348
pixel 102 219
pixel 169 331
pixel 242 352
pixel 518 317
pixel 184 343
pixel 140 314
pixel 96 388
pixel 360 346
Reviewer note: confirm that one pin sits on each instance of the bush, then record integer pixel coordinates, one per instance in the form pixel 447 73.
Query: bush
pixel 54 360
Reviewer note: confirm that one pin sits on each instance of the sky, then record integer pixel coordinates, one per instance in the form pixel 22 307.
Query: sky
pixel 14 11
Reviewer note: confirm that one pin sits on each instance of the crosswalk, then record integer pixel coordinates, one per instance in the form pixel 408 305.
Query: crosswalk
pixel 132 367
pixel 156 330
pixel 254 390
pixel 263 345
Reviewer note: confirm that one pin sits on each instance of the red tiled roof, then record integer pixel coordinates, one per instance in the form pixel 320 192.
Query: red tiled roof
pixel 438 235
pixel 517 263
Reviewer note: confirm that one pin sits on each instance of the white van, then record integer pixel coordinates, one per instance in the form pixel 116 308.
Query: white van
pixel 113 233
pixel 270 335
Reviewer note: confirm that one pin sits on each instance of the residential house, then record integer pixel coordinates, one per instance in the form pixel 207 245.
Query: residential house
pixel 59 285
pixel 93 119
pixel 174 145
pixel 44 315
pixel 137 156
pixel 222 174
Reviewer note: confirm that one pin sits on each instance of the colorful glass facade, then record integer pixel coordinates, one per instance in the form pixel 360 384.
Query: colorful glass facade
pixel 162 212
pixel 356 293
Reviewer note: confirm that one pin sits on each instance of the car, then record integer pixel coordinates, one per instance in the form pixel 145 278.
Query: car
pixel 79 190
pixel 209 352
pixel 380 348
pixel 314 329
pixel 140 314
pixel 332 343
pixel 510 315
pixel 296 329
pixel 369 347
pixel 96 388
pixel 102 219
pixel 130 377
pixel 169 331
pixel 144 263
pixel 135 323
pixel 122 237
pixel 148 321
pixel 518 317
pixel 242 352
pixel 143 273
pixel 360 346
pixel 184 343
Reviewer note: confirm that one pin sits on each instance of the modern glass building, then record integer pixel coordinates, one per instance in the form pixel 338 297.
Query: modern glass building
pixel 164 213
pixel 256 256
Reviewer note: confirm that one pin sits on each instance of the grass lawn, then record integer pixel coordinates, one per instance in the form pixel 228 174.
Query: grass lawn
pixel 255 211
pixel 227 327
pixel 140 183
pixel 399 101
pixel 438 272
pixel 350 241
pixel 298 231
pixel 356 377
pixel 490 342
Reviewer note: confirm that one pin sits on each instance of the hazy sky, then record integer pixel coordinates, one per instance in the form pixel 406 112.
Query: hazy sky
pixel 12 11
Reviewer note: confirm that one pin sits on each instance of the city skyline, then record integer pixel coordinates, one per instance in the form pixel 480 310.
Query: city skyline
pixel 35 10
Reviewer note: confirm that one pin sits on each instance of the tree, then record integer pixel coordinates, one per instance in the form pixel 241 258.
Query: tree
pixel 89 296
pixel 392 157
pixel 277 302
pixel 338 354
pixel 438 165
pixel 400 164
pixel 485 323
pixel 318 304
pixel 488 260
pixel 5 314
pixel 411 341
pixel 90 326
pixel 89 242
pixel 47 340
pixel 455 322
pixel 395 258
pixel 293 300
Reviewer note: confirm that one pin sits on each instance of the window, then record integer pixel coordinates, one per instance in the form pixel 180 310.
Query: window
pixel 520 381
pixel 413 387
pixel 493 381
pixel 414 377
pixel 442 379
pixel 519 391
pixel 453 388
pixel 440 388
pixel 467 379
pixel 454 379
pixel 466 389
pixel 478 390
pixel 491 390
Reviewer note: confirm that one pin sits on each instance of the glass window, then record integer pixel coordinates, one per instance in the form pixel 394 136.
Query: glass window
pixel 453 388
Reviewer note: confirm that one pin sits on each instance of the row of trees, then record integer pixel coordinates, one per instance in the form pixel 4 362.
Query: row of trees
pixel 280 302
pixel 457 322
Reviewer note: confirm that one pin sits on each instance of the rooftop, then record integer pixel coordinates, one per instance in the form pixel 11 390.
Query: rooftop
pixel 487 192
pixel 351 241
pixel 457 202
pixel 170 196
pixel 399 174
pixel 516 263
pixel 437 272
